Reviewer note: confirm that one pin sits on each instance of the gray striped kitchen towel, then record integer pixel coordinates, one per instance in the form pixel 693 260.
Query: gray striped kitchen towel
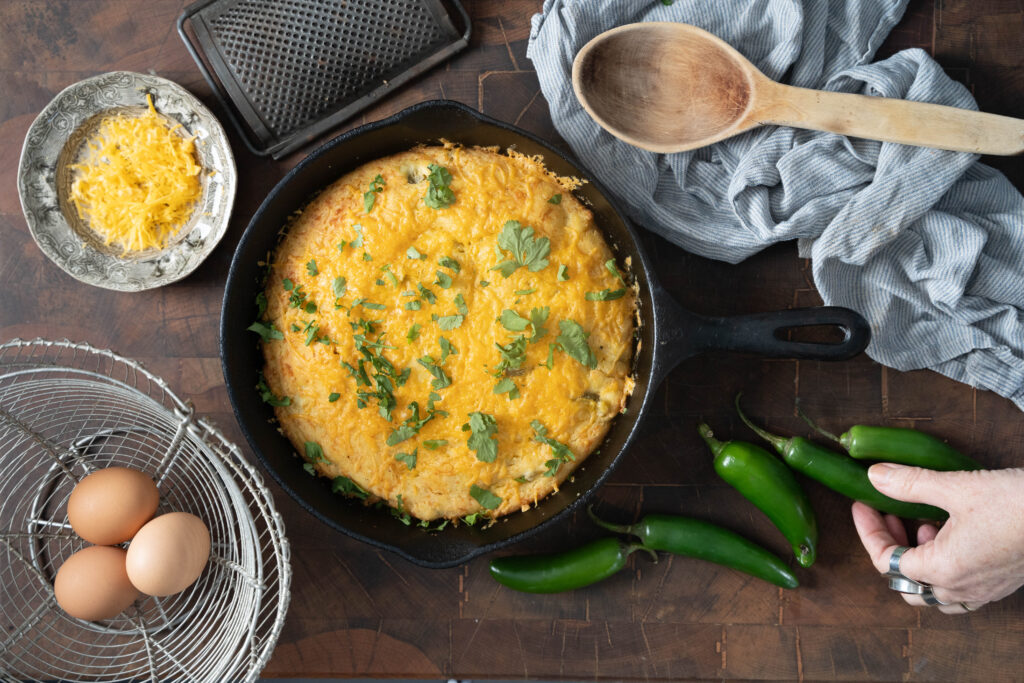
pixel 928 245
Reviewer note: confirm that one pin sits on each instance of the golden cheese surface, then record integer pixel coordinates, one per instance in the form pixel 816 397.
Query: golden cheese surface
pixel 386 312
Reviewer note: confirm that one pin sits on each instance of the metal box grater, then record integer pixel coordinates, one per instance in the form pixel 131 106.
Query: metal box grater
pixel 287 71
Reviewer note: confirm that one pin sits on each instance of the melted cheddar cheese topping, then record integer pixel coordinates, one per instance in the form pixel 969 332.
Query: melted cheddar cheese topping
pixel 406 365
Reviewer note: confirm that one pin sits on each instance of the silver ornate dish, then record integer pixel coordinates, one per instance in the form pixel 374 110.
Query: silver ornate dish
pixel 56 140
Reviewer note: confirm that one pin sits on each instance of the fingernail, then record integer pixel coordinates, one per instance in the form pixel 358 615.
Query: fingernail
pixel 882 472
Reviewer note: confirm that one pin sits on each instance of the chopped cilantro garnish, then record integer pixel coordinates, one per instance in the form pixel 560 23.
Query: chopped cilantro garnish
pixel 526 250
pixel 512 354
pixel 426 294
pixel 268 396
pixel 366 256
pixel 373 306
pixel 605 295
pixel 412 253
pixel 512 321
pixel 573 340
pixel 389 275
pixel 413 305
pixel 487 500
pixel 460 304
pixel 358 241
pixel 413 332
pixel 441 378
pixel 447 349
pixel 551 357
pixel 507 386
pixel 524 292
pixel 408 458
pixel 449 262
pixel 311 331
pixel 341 245
pixel 443 279
pixel 563 273
pixel 555 199
pixel 267 331
pixel 376 186
pixel 312 269
pixel 339 286
pixel 439 194
pixel 261 304
pixel 434 444
pixel 401 433
pixel 347 487
pixel 484 283
pixel 287 284
pixel 610 265
pixel 562 454
pixel 310 307
pixel 450 322
pixel 334 396
pixel 314 453
pixel 539 316
pixel 483 427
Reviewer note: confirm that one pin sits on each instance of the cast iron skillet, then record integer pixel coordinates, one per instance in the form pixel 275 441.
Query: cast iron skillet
pixel 667 334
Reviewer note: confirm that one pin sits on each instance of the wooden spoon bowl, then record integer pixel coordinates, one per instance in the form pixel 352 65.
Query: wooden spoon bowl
pixel 670 87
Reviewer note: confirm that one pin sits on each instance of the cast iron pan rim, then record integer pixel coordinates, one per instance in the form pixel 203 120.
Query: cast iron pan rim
pixel 650 318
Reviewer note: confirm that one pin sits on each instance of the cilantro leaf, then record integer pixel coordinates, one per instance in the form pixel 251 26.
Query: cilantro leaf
pixel 412 253
pixel 413 332
pixel 506 386
pixel 460 304
pixel 573 340
pixel 449 262
pixel 562 453
pixel 512 321
pixel 551 357
pixel 513 354
pixel 555 199
pixel 339 286
pixel 434 444
pixel 450 322
pixel 484 283
pixel 408 458
pixel 605 295
pixel 334 396
pixel 487 500
pixel 447 349
pixel 439 194
pixel 267 396
pixel 526 250
pixel 267 331
pixel 443 279
pixel 314 453
pixel 563 273
pixel 539 316
pixel 311 268
pixel 483 427
pixel 441 378
pixel 358 241
pixel 347 487
pixel 261 304
pixel 399 434
pixel 413 305
pixel 427 295
pixel 376 186
pixel 610 265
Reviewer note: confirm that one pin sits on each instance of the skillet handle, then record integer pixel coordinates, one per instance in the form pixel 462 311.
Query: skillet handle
pixel 685 334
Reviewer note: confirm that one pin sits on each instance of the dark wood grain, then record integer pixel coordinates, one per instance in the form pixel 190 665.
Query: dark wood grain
pixel 357 611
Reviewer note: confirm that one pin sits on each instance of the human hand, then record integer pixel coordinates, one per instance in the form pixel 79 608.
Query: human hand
pixel 975 557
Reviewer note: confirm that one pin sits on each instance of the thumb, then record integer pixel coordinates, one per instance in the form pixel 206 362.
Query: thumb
pixel 915 484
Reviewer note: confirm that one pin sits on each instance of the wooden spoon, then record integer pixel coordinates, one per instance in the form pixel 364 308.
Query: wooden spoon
pixel 670 87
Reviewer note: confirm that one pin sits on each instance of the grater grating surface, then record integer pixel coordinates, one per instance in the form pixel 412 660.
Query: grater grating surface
pixel 292 69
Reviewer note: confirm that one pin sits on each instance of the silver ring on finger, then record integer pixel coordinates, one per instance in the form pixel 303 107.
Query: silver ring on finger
pixel 908 586
pixel 894 560
pixel 968 608
pixel 929 599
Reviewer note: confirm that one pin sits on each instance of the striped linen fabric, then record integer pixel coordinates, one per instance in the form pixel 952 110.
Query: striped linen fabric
pixel 928 245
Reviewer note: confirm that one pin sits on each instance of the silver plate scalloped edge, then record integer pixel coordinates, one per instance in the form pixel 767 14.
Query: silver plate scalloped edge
pixel 77 254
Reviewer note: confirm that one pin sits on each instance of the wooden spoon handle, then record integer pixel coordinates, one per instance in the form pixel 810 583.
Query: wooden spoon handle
pixel 890 120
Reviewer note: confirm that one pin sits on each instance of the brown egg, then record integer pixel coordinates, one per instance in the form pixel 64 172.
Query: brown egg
pixel 92 584
pixel 168 554
pixel 109 506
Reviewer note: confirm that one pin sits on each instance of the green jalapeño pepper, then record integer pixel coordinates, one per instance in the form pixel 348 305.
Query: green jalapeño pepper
pixel 840 473
pixel 767 483
pixel 899 445
pixel 566 571
pixel 705 541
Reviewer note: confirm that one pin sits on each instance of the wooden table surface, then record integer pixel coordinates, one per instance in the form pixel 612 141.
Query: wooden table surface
pixel 357 611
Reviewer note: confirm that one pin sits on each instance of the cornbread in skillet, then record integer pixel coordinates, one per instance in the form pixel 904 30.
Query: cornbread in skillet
pixel 446 330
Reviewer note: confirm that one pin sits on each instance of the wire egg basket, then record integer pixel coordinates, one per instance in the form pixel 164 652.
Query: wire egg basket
pixel 68 409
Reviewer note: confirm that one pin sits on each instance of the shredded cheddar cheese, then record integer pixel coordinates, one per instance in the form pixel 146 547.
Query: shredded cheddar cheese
pixel 138 182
